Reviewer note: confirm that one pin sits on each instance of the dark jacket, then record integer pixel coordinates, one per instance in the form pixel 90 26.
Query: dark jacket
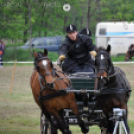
pixel 2 48
pixel 76 52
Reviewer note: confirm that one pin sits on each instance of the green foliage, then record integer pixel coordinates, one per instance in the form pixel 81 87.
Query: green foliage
pixel 12 54
pixel 49 19
pixel 24 55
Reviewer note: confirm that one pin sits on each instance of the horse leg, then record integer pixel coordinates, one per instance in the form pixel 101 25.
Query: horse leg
pixel 110 125
pixel 61 125
pixel 61 113
pixel 125 118
pixel 81 123
pixel 53 126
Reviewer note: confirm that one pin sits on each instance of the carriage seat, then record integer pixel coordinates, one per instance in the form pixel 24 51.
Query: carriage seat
pixel 82 75
pixel 82 80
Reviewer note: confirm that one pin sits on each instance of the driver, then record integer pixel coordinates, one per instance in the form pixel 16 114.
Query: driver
pixel 75 52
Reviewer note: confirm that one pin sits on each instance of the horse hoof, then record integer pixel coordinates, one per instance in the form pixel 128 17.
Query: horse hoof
pixel 67 132
pixel 85 130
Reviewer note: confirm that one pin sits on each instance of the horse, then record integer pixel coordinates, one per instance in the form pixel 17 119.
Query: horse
pixel 98 49
pixel 49 85
pixel 114 87
pixel 129 53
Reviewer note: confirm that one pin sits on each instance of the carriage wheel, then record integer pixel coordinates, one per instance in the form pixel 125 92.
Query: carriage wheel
pixel 45 127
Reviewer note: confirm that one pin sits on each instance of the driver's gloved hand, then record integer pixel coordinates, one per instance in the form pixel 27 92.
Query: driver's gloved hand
pixel 93 53
pixel 60 59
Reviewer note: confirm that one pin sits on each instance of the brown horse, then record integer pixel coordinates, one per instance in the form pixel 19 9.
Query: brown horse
pixel 114 86
pixel 46 82
pixel 129 53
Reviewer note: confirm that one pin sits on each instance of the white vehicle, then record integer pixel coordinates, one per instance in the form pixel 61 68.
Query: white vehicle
pixel 120 35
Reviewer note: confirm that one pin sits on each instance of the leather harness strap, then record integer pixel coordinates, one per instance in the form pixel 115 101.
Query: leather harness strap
pixel 56 94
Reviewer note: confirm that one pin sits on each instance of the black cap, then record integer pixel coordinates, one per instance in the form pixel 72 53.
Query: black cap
pixel 86 31
pixel 71 28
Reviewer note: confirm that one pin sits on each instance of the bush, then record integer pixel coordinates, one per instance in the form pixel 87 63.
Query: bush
pixel 24 55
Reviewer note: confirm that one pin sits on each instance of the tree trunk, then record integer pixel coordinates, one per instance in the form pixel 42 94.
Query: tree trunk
pixel 65 23
pixel 29 9
pixel 26 21
pixel 82 15
pixel 99 10
pixel 88 14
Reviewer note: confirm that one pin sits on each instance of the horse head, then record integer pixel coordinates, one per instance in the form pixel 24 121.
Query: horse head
pixel 44 67
pixel 129 53
pixel 104 65
pixel 98 49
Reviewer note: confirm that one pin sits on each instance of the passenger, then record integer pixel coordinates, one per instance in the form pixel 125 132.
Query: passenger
pixel 86 31
pixel 2 51
pixel 75 52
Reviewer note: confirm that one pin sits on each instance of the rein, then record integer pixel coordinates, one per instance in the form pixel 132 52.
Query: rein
pixel 108 76
pixel 54 73
pixel 56 94
pixel 41 77
pixel 102 80
pixel 109 90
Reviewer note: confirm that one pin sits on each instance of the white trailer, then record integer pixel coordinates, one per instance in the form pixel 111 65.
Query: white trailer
pixel 120 35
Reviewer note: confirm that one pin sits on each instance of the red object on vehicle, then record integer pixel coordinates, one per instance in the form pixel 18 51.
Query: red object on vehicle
pixel 0 52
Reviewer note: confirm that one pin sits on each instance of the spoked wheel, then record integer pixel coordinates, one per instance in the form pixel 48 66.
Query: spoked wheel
pixel 45 127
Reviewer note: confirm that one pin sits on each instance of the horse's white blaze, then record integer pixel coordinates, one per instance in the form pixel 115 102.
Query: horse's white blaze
pixel 44 62
pixel 102 57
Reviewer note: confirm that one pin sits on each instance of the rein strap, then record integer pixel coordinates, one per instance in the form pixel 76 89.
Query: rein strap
pixel 50 96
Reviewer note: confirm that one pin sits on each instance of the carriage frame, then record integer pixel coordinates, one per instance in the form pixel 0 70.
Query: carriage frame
pixel 83 88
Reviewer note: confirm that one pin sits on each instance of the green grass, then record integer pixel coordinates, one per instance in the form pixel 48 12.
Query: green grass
pixel 19 114
pixel 25 55
pixel 118 58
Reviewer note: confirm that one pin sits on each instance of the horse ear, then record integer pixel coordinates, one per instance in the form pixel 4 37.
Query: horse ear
pixel 45 52
pixel 108 48
pixel 35 54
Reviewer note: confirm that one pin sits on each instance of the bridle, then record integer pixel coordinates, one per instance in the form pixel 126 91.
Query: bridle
pixel 102 79
pixel 105 69
pixel 53 74
pixel 42 77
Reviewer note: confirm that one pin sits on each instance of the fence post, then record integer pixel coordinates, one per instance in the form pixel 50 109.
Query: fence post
pixel 0 58
pixel 10 91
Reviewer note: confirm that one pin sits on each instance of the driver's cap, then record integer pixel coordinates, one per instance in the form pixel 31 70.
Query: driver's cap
pixel 71 28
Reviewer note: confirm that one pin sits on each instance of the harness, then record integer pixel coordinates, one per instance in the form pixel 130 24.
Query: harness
pixel 108 89
pixel 43 86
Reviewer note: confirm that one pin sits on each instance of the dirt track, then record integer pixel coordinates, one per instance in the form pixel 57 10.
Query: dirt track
pixel 19 109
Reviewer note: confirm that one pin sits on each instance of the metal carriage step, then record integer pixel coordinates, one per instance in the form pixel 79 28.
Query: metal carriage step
pixel 81 111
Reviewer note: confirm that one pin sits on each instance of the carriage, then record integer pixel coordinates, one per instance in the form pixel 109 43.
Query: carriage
pixel 110 87
pixel 83 88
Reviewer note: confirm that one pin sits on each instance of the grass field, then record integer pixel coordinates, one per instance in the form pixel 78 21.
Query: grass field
pixel 19 114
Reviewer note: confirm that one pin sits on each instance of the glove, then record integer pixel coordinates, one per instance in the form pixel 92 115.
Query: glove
pixel 93 53
pixel 60 59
